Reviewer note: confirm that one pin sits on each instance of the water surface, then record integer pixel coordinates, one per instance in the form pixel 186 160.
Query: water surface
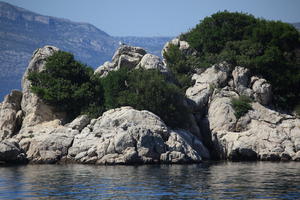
pixel 224 180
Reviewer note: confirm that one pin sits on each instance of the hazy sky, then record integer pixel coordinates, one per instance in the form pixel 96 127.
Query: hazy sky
pixel 156 17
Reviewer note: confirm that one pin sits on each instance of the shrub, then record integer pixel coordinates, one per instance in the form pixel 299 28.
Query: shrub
pixel 145 90
pixel 268 48
pixel 241 106
pixel 68 85
pixel 182 66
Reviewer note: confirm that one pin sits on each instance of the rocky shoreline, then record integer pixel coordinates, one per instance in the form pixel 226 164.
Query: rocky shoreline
pixel 33 132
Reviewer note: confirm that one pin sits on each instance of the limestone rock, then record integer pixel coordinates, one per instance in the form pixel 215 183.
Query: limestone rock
pixel 46 142
pixel 79 123
pixel 241 80
pixel 125 56
pixel 150 61
pixel 36 111
pixel 221 114
pixel 269 136
pixel 182 45
pixel 127 136
pixel 262 90
pixel 10 152
pixel 205 83
pixel 11 115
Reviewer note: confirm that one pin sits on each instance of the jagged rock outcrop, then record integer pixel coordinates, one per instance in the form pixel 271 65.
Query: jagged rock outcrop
pixel 264 135
pixel 182 45
pixel 35 110
pixel 11 115
pixel 205 83
pixel 127 136
pixel 150 61
pixel 131 57
pixel 31 131
pixel 125 56
pixel 47 142
pixel 10 152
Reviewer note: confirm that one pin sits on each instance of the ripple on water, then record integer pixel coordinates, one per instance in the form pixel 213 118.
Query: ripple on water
pixel 223 180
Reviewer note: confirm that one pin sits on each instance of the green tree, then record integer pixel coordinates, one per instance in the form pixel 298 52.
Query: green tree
pixel 68 85
pixel 145 90
pixel 268 48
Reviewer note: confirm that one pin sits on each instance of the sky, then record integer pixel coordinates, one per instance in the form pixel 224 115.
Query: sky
pixel 156 17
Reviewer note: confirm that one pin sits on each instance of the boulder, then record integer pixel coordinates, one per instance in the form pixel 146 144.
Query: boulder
pixel 128 136
pixel 36 111
pixel 241 81
pixel 182 45
pixel 125 56
pixel 269 135
pixel 79 122
pixel 262 90
pixel 150 61
pixel 11 115
pixel 47 142
pixel 10 152
pixel 205 84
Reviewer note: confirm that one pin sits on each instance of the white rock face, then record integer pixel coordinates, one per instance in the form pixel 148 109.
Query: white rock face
pixel 126 136
pixel 205 83
pixel 10 114
pixel 46 142
pixel 35 110
pixel 182 45
pixel 265 135
pixel 262 91
pixel 125 56
pixel 150 61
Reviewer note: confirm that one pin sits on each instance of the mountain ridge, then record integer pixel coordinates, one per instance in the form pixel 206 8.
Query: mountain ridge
pixel 23 31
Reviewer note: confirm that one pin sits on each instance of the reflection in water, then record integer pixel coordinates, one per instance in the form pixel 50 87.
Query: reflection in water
pixel 227 180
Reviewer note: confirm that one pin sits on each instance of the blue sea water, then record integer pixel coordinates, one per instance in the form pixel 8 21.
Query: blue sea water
pixel 221 180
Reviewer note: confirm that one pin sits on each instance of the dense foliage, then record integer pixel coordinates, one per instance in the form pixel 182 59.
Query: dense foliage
pixel 72 87
pixel 268 48
pixel 145 90
pixel 68 85
pixel 181 65
pixel 241 106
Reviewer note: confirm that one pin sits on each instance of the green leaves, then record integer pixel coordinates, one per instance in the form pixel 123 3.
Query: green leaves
pixel 145 90
pixel 66 84
pixel 241 106
pixel 268 48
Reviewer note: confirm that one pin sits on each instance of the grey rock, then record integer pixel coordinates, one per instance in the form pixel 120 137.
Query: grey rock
pixel 150 61
pixel 46 142
pixel 125 56
pixel 36 111
pixel 267 135
pixel 11 115
pixel 79 122
pixel 10 152
pixel 205 84
pixel 262 91
pixel 127 136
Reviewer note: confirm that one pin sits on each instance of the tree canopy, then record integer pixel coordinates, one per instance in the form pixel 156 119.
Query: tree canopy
pixel 269 48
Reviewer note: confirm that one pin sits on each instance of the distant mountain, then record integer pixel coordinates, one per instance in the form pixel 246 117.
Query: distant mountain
pixel 22 31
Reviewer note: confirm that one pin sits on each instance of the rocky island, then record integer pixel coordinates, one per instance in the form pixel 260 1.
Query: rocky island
pixel 231 115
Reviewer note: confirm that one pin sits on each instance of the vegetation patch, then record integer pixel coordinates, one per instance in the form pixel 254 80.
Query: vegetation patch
pixel 267 48
pixel 241 106
pixel 68 85
pixel 145 90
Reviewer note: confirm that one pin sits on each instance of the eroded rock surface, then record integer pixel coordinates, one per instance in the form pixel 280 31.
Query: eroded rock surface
pixel 35 110
pixel 11 115
pixel 127 136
